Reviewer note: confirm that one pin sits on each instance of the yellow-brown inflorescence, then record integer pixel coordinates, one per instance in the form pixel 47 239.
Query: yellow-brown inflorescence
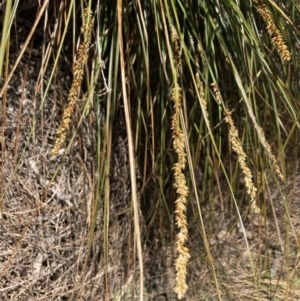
pixel 269 153
pixel 275 34
pixel 199 84
pixel 217 93
pixel 176 44
pixel 179 178
pixel 182 192
pixel 82 56
pixel 238 149
pixel 179 182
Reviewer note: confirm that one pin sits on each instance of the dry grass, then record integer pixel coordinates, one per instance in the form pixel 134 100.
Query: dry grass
pixel 45 223
pixel 271 253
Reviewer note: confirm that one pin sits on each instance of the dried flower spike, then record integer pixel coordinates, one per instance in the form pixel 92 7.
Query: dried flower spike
pixel 277 39
pixel 82 56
